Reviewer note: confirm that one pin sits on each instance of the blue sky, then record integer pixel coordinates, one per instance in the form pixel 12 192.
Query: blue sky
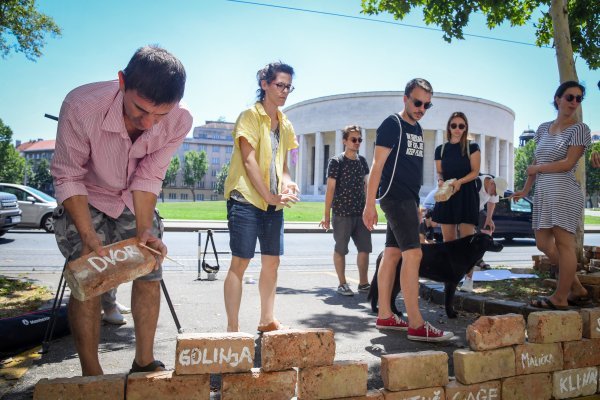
pixel 222 44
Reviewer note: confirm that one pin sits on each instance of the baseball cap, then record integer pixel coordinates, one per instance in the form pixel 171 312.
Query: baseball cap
pixel 501 185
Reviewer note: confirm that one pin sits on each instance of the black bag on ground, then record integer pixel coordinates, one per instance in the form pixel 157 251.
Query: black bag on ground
pixel 27 330
pixel 210 269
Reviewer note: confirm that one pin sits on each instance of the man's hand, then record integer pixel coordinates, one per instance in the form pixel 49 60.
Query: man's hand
pixel 370 217
pixel 283 199
pixel 290 188
pixel 91 242
pixel 146 238
pixel 489 227
pixel 595 159
pixel 325 223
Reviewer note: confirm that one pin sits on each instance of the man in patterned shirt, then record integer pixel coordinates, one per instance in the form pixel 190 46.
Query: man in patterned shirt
pixel 346 179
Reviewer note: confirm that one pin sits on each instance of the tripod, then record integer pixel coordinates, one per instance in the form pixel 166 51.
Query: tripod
pixel 58 298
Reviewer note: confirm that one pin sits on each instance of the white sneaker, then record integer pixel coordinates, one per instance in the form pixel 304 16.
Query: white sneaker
pixel 345 290
pixel 123 309
pixel 467 285
pixel 114 317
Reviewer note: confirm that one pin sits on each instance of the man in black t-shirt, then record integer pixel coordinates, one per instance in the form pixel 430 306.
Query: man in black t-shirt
pixel 346 179
pixel 397 174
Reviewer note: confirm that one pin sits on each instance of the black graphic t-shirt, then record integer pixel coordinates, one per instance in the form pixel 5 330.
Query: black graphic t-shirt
pixel 408 177
pixel 349 195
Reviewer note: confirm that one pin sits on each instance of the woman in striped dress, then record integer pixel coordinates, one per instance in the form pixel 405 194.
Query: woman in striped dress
pixel 558 200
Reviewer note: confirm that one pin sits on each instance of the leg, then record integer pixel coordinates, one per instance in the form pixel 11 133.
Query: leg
pixel 84 319
pixel 232 291
pixel 342 229
pixel 448 232
pixel 362 261
pixel 567 265
pixel 409 282
pixel 385 280
pixel 145 307
pixel 466 230
pixel 339 261
pixel 267 285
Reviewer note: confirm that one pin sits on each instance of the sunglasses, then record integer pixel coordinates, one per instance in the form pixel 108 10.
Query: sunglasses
pixel 570 98
pixel 354 140
pixel 419 103
pixel 459 126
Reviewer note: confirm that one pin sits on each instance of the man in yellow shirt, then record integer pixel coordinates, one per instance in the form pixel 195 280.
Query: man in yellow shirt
pixel 257 188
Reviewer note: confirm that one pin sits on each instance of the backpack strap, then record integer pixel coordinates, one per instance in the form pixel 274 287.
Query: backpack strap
pixel 340 159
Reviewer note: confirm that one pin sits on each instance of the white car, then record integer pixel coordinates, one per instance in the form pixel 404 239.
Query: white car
pixel 37 206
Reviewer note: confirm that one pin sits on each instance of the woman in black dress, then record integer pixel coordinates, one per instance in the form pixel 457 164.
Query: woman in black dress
pixel 458 158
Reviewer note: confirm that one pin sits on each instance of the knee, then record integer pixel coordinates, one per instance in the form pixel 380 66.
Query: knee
pixel 413 255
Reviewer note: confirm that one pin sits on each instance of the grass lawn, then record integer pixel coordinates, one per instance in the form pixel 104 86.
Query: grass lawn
pixel 216 210
pixel 18 297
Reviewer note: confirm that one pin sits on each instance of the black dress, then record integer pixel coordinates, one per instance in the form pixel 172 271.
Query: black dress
pixel 463 206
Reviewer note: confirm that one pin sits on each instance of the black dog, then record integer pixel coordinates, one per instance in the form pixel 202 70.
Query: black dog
pixel 442 262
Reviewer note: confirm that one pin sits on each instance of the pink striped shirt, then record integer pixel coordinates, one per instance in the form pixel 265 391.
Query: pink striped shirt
pixel 94 155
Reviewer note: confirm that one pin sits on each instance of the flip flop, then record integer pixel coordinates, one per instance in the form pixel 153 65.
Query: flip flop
pixel 152 367
pixel 581 302
pixel 546 304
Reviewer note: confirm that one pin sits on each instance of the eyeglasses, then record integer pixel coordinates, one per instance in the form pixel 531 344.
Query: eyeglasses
pixel 282 87
pixel 419 103
pixel 354 140
pixel 570 98
pixel 460 126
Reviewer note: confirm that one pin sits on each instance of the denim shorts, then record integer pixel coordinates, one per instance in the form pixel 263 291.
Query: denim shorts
pixel 108 229
pixel 402 223
pixel 353 227
pixel 247 223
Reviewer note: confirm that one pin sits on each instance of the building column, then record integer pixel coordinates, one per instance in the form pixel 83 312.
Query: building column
pixel 302 164
pixel 363 146
pixel 483 168
pixel 496 155
pixel 439 139
pixel 506 170
pixel 318 178
pixel 339 146
pixel 511 162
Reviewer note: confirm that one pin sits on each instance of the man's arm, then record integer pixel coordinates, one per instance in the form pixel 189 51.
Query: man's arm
pixel 77 208
pixel 326 220
pixel 144 204
pixel 488 219
pixel 380 156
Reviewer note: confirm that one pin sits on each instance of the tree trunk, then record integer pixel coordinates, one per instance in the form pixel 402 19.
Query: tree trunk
pixel 567 72
pixel 193 193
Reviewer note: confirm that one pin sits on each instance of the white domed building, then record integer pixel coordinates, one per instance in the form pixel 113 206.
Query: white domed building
pixel 318 124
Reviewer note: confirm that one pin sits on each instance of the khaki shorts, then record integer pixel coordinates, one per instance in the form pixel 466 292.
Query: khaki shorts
pixel 109 231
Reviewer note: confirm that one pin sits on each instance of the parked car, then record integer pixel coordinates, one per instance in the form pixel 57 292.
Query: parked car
pixel 37 206
pixel 10 214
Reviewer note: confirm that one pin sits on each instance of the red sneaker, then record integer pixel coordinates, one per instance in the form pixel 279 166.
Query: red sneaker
pixel 394 323
pixel 428 333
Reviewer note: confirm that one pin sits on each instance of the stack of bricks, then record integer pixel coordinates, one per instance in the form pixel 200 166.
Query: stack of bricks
pixel 293 363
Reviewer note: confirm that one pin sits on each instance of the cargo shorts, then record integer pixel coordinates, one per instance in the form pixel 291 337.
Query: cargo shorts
pixel 109 231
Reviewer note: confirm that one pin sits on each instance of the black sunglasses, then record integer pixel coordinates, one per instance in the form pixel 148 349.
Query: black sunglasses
pixel 460 126
pixel 354 140
pixel 570 97
pixel 419 103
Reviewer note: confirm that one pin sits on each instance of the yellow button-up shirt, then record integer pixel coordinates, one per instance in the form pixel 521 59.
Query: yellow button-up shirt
pixel 255 126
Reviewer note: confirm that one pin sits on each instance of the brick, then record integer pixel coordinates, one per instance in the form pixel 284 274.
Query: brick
pixel 493 332
pixel 591 322
pixel 213 353
pixel 91 275
pixel 535 358
pixel 342 379
pixel 474 367
pixel 527 387
pixel 102 387
pixel 407 371
pixel 168 386
pixel 574 382
pixel 259 385
pixel 581 353
pixel 371 395
pixel 281 350
pixel 589 279
pixel 553 326
pixel 436 393
pixel 491 390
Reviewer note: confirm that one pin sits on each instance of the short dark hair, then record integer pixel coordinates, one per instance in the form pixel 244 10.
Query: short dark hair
pixel 417 82
pixel 350 128
pixel 563 87
pixel 156 75
pixel 269 73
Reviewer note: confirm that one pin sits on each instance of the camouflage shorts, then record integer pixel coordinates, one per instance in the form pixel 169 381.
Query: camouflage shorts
pixel 109 231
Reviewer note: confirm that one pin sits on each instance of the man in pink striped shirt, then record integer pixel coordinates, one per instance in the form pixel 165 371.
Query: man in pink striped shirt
pixel 114 143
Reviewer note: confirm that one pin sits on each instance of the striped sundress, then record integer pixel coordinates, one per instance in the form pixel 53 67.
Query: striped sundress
pixel 558 199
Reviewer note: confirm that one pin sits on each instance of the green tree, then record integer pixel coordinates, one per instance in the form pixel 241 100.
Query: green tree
pixel 12 165
pixel 40 176
pixel 171 175
pixel 221 176
pixel 195 166
pixel 523 158
pixel 592 176
pixel 23 28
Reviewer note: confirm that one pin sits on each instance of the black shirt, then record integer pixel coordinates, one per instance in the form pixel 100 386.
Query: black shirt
pixel 454 163
pixel 349 175
pixel 408 176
